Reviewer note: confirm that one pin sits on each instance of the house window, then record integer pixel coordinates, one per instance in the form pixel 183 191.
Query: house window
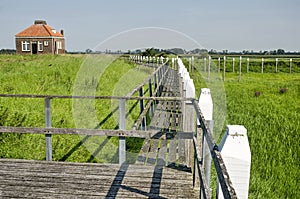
pixel 25 46
pixel 40 46
pixel 46 43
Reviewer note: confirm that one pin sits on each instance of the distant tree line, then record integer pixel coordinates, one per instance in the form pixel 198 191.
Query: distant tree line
pixel 7 51
pixel 175 51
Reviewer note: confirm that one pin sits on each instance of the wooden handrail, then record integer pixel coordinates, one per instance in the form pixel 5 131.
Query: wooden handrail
pixel 95 97
pixel 223 176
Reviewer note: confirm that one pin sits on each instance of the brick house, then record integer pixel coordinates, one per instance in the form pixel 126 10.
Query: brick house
pixel 40 38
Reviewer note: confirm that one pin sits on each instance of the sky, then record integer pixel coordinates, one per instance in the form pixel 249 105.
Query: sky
pixel 233 25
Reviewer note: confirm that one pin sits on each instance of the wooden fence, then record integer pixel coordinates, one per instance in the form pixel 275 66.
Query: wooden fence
pixel 240 64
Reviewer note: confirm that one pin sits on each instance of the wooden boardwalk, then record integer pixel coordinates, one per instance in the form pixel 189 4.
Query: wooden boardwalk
pixel 41 179
pixel 168 147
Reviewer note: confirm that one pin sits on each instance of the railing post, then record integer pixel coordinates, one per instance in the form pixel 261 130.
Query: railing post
pixel 240 69
pixel 206 106
pixel 262 65
pixel 150 95
pixel 48 125
pixel 248 60
pixel 122 126
pixel 208 71
pixel 219 64
pixel 189 119
pixel 276 64
pixel 291 64
pixel 193 65
pixel 233 60
pixel 224 69
pixel 141 94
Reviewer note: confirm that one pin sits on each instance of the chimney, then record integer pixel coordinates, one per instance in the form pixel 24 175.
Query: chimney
pixel 40 22
pixel 62 32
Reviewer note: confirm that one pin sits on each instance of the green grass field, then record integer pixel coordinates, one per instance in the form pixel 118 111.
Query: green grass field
pixel 272 119
pixel 56 75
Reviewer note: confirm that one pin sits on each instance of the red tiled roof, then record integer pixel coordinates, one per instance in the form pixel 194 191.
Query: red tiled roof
pixel 39 30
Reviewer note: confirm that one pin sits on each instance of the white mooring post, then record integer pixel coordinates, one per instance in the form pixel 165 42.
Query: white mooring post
pixel 206 107
pixel 236 154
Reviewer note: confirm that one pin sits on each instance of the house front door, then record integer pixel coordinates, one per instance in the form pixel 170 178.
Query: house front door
pixel 34 48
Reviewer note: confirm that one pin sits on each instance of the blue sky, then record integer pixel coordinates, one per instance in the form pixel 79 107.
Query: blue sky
pixel 232 24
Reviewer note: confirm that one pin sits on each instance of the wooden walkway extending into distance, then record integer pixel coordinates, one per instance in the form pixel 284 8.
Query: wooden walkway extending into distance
pixel 169 164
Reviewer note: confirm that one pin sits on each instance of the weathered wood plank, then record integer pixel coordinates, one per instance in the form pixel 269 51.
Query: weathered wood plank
pixel 142 157
pixel 172 158
pixel 153 152
pixel 40 179
pixel 71 131
pixel 162 153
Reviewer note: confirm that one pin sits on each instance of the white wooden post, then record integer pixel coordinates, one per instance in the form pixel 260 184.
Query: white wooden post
pixel 262 65
pixel 224 70
pixel 206 107
pixel 240 71
pixel 291 63
pixel 219 64
pixel 122 126
pixel 193 66
pixel 236 154
pixel 208 71
pixel 248 60
pixel 276 64
pixel 190 65
pixel 233 59
pixel 173 67
pixel 189 123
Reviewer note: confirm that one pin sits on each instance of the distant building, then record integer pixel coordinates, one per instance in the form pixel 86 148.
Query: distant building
pixel 40 38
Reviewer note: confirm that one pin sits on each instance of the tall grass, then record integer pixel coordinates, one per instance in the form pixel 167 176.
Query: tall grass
pixel 56 75
pixel 272 121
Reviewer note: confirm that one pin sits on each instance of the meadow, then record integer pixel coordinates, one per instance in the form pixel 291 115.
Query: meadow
pixel 272 119
pixel 57 75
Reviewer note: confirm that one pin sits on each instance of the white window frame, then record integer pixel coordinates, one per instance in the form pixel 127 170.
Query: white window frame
pixel 25 46
pixel 46 43
pixel 40 46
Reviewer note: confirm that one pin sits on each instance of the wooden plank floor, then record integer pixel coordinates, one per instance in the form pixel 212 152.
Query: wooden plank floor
pixel 41 179
pixel 167 149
